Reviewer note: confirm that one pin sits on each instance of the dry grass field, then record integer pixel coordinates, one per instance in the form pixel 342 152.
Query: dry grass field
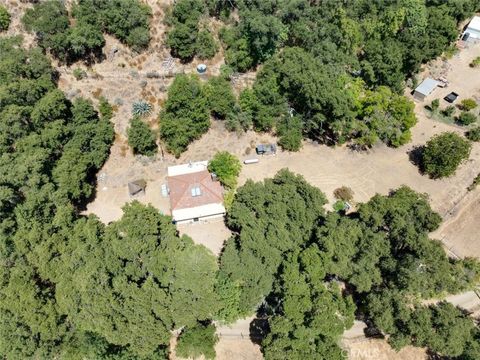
pixel 121 78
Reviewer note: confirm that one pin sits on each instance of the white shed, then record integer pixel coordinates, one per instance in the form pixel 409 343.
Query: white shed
pixel 473 28
pixel 425 89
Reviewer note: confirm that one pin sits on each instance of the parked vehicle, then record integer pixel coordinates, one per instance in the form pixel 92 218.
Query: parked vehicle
pixel 266 149
pixel 451 97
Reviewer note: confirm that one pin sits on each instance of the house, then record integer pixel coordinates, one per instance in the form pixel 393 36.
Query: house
pixel 425 89
pixel 195 194
pixel 472 32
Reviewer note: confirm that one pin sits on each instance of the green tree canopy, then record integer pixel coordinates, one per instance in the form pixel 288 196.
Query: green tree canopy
pixel 139 280
pixel 269 219
pixel 196 341
pixel 444 153
pixel 185 115
pixel 141 138
pixel 4 18
pixel 227 167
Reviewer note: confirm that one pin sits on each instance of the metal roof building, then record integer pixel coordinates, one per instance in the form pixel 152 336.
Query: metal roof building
pixel 473 28
pixel 425 89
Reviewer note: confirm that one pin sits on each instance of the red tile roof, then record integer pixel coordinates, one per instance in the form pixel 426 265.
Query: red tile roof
pixel 180 186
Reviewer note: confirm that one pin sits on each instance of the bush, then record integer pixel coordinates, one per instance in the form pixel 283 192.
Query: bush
pixel 185 116
pixel 206 48
pixel 238 120
pixel 475 63
pixel 444 153
pixel 127 20
pixel 50 19
pixel 141 138
pixel 468 104
pixel 290 131
pixel 466 118
pixel 79 73
pixel 473 134
pixel 435 105
pixel 106 110
pixel 220 97
pixel 4 18
pixel 343 193
pixel 196 341
pixel 339 205
pixel 227 167
pixel 449 110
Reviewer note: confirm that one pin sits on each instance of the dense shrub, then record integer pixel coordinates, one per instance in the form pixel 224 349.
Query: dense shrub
pixel 221 100
pixel 435 105
pixel 196 341
pixel 206 47
pixel 227 167
pixel 127 20
pixel 449 111
pixel 106 110
pixel 4 18
pixel 466 118
pixel 473 134
pixel 185 116
pixel 79 73
pixel 141 138
pixel 444 153
pixel 468 104
pixel 185 37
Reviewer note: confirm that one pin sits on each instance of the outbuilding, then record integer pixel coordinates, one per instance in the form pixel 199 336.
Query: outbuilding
pixel 425 89
pixel 137 187
pixel 472 32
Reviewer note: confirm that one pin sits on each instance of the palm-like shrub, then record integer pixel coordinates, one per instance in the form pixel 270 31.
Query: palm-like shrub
pixel 141 108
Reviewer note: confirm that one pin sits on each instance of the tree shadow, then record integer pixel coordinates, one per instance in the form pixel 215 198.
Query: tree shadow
pixel 434 356
pixel 259 327
pixel 259 330
pixel 416 157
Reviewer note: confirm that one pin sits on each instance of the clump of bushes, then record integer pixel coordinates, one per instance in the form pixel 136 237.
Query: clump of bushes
pixel 444 153
pixel 290 132
pixel 475 63
pixel 128 20
pixel 468 104
pixel 197 341
pixel 227 167
pixel 466 118
pixel 185 37
pixel 449 111
pixel 106 110
pixel 4 18
pixel 473 134
pixel 79 73
pixel 219 96
pixel 141 138
pixel 185 116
